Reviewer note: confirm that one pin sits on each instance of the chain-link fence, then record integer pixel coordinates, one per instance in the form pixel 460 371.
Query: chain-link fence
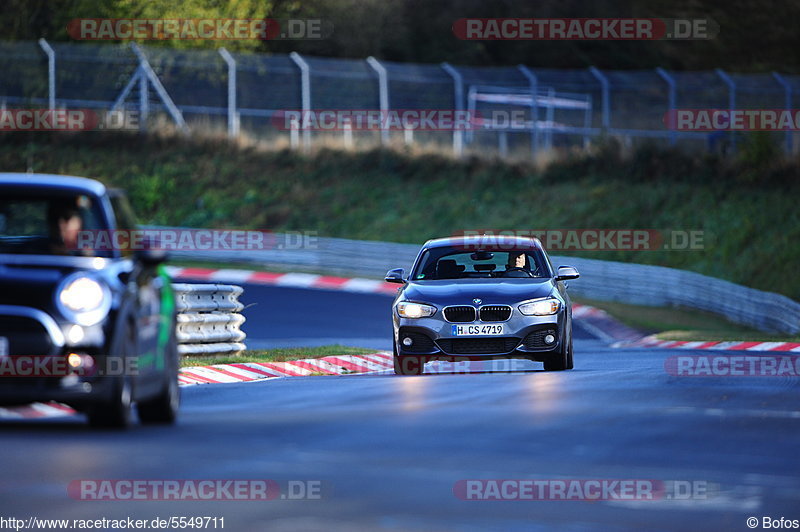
pixel 245 93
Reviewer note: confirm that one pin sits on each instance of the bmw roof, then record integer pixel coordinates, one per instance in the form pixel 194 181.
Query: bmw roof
pixel 484 240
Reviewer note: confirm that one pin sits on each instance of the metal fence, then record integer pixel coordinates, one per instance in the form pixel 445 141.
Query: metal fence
pixel 638 284
pixel 242 92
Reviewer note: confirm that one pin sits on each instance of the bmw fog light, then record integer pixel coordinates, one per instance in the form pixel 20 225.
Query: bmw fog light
pixel 549 339
pixel 407 341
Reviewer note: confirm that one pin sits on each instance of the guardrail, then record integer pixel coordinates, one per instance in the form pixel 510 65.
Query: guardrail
pixel 603 280
pixel 209 319
pixel 642 284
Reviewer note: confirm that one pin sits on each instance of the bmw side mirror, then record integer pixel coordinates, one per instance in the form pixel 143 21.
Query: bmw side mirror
pixel 567 272
pixel 395 276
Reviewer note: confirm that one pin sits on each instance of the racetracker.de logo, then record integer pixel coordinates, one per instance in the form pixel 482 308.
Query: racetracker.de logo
pixel 191 240
pixel 262 29
pixel 583 29
pixel 194 490
pixel 173 490
pixel 67 120
pixel 74 364
pixel 732 119
pixel 579 489
pixel 585 239
pixel 731 365
pixel 392 120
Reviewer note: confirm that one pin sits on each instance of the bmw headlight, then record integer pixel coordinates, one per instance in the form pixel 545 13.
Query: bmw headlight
pixel 415 310
pixel 540 307
pixel 83 299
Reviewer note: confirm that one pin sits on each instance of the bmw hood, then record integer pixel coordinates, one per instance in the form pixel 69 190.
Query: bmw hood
pixel 489 291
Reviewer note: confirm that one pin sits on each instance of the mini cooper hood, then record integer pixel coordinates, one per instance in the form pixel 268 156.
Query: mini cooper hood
pixel 30 286
pixel 32 280
pixel 489 291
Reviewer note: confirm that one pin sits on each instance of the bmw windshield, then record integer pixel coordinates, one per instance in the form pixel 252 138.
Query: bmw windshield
pixel 458 263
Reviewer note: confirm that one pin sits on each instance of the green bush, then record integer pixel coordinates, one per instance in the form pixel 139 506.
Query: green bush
pixel 751 223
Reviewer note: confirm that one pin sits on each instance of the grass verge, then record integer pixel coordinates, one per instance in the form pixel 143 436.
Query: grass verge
pixel 275 355
pixel 387 195
pixel 675 323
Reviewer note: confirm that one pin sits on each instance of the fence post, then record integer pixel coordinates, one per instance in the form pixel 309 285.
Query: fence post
pixel 502 143
pixel 606 89
pixel 147 73
pixel 233 119
pixel 408 136
pixel 347 134
pixel 787 104
pixel 587 120
pixel 458 87
pixel 383 94
pixel 471 112
pixel 144 103
pixel 533 83
pixel 305 96
pixel 731 99
pixel 672 101
pixel 51 72
pixel 550 118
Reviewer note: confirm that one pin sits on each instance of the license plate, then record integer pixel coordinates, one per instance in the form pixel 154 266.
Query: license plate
pixel 478 330
pixel 3 346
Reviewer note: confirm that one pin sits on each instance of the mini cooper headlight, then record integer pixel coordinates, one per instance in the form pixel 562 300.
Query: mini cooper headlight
pixel 541 307
pixel 83 299
pixel 415 310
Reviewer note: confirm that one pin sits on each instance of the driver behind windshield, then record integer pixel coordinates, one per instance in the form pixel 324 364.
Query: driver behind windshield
pixel 517 259
pixel 65 221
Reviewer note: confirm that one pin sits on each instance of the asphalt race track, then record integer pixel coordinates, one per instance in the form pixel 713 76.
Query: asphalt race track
pixel 389 450
pixel 285 317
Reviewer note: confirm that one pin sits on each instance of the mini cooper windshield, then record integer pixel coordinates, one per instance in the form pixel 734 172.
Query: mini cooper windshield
pixel 49 224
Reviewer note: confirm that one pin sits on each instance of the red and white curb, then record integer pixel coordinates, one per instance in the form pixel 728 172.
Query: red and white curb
pixel 240 372
pixel 36 410
pixel 253 371
pixel 291 280
pixel 654 342
pixel 580 311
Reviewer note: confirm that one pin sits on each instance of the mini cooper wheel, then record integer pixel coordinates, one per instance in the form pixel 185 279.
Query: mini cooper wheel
pixel 116 411
pixel 164 407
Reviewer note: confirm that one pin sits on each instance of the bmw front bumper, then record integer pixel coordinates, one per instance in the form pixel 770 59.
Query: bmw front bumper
pixel 524 337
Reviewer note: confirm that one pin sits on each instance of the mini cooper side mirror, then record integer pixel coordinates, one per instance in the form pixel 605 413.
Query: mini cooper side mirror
pixel 567 272
pixel 395 276
pixel 151 253
pixel 151 256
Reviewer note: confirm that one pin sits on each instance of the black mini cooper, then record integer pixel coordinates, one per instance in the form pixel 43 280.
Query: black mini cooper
pixel 82 322
pixel 482 298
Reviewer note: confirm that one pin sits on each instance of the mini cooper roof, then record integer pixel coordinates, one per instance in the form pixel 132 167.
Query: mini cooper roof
pixel 60 182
